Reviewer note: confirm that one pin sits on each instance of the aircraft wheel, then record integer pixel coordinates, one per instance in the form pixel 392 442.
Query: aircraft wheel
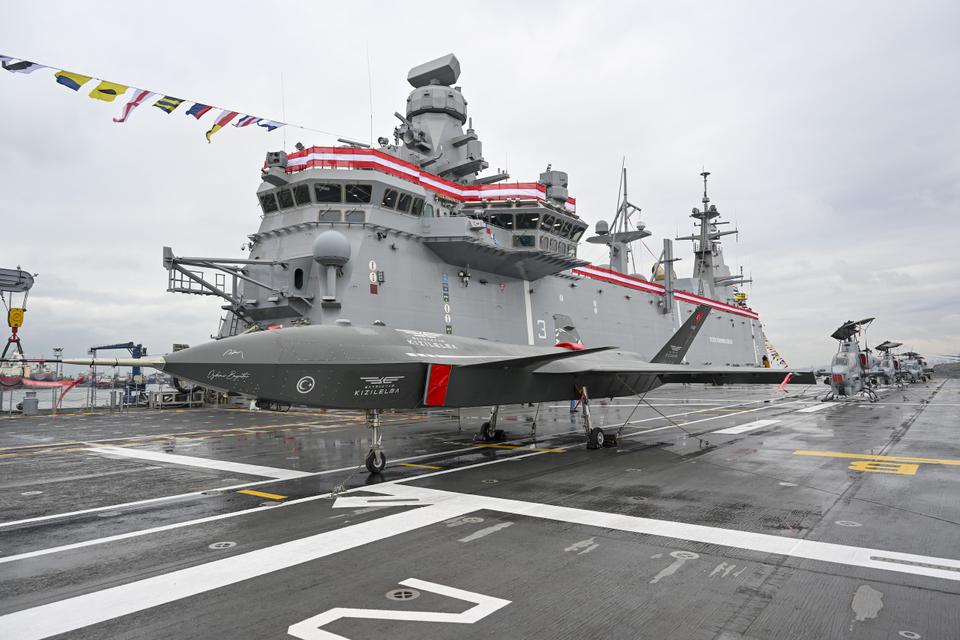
pixel 376 462
pixel 611 441
pixel 486 432
pixel 596 439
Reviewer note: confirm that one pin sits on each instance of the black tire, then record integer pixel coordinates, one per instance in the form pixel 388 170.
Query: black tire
pixel 376 462
pixel 486 433
pixel 596 439
pixel 611 441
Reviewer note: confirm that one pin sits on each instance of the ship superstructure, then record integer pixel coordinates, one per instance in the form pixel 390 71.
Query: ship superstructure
pixel 410 235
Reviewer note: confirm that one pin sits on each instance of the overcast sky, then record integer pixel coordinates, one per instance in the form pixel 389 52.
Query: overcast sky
pixel 832 131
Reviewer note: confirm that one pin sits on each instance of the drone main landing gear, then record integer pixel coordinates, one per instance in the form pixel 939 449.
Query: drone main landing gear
pixel 376 461
pixel 596 438
pixel 488 430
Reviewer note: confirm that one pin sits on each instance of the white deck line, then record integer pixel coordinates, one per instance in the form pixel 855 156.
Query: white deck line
pixel 205 463
pixel 91 608
pixel 743 428
pixel 818 407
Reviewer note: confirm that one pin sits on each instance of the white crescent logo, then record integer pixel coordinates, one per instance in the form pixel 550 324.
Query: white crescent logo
pixel 306 384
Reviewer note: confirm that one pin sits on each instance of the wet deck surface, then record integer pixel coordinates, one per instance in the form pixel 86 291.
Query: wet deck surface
pixel 759 516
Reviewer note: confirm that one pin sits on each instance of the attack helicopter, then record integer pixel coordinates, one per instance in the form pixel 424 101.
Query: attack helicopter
pixel 851 366
pixel 915 368
pixel 889 365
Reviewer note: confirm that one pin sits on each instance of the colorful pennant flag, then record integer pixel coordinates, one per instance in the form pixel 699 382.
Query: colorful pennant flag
pixel 21 66
pixel 139 97
pixel 198 110
pixel 246 121
pixel 71 80
pixel 269 125
pixel 222 120
pixel 168 103
pixel 107 91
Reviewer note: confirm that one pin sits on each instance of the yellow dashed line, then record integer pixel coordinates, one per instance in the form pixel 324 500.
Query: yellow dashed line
pixel 262 494
pixel 418 466
pixel 518 446
pixel 866 456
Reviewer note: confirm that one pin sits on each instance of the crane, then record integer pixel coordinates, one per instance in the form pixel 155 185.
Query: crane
pixel 134 388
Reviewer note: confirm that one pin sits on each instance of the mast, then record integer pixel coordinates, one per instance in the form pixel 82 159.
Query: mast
pixel 618 235
pixel 706 247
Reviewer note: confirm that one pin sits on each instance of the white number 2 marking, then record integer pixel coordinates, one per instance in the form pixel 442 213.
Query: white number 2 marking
pixel 541 329
pixel 309 629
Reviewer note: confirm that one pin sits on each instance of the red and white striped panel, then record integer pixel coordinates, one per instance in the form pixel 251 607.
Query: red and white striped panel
pixel 352 158
pixel 607 275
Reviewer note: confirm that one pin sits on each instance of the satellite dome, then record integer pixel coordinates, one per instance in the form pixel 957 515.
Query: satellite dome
pixel 331 248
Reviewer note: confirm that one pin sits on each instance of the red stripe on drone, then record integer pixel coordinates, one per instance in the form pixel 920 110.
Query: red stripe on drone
pixel 438 379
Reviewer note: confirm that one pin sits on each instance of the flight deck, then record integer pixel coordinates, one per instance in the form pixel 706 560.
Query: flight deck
pixel 728 512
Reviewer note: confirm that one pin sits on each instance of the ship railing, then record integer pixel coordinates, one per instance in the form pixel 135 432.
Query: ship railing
pixel 180 282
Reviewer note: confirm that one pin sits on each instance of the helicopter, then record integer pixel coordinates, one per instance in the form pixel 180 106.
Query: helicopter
pixel 889 365
pixel 851 366
pixel 915 368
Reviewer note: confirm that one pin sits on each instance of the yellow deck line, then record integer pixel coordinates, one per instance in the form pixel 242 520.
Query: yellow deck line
pixel 519 446
pixel 262 494
pixel 418 466
pixel 867 456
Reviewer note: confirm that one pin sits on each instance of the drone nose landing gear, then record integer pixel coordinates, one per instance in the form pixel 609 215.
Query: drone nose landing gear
pixel 375 461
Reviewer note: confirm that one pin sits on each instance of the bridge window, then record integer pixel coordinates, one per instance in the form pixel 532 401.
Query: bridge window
pixel 355 216
pixel 403 204
pixel 504 220
pixel 528 220
pixel 359 193
pixel 553 245
pixel 417 208
pixel 298 278
pixel 268 202
pixel 522 240
pixel 301 193
pixel 566 229
pixel 428 211
pixel 546 223
pixel 544 243
pixel 330 216
pixel 389 199
pixel 578 233
pixel 327 192
pixel 285 198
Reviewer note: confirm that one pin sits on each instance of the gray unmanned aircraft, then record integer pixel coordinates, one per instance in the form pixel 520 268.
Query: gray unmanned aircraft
pixel 375 368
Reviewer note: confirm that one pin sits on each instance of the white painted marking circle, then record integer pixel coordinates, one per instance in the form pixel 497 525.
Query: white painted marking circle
pixel 373 265
pixel 226 544
pixel 306 384
pixel 446 318
pixel 31 493
pixel 848 523
pixel 912 635
pixel 446 308
pixel 685 555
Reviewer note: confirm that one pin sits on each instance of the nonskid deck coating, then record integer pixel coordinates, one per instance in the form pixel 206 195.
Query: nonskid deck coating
pixel 662 537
